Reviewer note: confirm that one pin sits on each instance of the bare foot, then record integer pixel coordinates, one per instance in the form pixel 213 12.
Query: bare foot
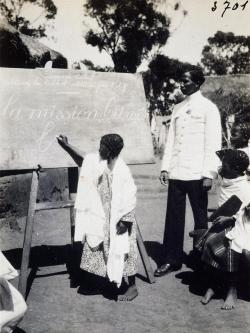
pixel 207 297
pixel 231 299
pixel 129 294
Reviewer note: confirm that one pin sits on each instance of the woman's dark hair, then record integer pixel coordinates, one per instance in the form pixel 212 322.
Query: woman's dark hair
pixel 236 158
pixel 113 142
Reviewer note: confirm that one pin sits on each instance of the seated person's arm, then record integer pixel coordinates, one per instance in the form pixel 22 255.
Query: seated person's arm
pixel 223 222
pixel 75 153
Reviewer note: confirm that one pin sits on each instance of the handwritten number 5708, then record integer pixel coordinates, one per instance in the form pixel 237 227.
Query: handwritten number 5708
pixel 227 6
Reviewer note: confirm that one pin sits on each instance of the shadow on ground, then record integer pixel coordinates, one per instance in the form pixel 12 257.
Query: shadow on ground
pixel 46 255
pixel 155 251
pixel 18 330
pixel 89 284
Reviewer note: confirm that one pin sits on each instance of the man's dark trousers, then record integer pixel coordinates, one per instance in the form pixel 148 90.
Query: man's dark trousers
pixel 175 216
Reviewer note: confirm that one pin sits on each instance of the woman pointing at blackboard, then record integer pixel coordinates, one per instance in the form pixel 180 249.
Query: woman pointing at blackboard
pixel 105 215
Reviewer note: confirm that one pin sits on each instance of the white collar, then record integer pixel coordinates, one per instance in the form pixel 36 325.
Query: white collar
pixel 194 96
pixel 189 99
pixel 183 107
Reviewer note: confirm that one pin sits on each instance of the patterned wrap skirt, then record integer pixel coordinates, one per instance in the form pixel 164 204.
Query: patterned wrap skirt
pixel 215 251
pixel 95 260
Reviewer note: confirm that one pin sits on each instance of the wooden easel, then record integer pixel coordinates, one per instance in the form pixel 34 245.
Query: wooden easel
pixel 34 207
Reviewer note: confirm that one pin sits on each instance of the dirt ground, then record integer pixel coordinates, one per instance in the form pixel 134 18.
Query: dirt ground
pixel 172 304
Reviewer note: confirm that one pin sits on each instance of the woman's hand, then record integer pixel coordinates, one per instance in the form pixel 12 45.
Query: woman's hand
pixel 222 219
pixel 121 227
pixel 223 222
pixel 74 152
pixel 62 140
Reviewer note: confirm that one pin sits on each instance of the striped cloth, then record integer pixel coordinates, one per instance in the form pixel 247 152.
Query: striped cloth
pixel 216 251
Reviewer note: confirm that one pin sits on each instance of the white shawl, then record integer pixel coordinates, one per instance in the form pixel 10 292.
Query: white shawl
pixel 238 186
pixel 240 233
pixel 7 271
pixel 90 217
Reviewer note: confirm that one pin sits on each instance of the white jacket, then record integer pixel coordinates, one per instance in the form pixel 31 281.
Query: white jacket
pixel 193 138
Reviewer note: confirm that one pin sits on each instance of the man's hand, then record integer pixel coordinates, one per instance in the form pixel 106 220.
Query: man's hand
pixel 207 184
pixel 164 178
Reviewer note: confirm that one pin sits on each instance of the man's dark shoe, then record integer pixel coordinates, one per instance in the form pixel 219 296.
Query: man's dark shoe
pixel 165 269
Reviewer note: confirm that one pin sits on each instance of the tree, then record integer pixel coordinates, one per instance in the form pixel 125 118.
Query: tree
pixel 226 54
pixel 161 80
pixel 90 66
pixel 232 97
pixel 127 30
pixel 13 10
pixel 13 52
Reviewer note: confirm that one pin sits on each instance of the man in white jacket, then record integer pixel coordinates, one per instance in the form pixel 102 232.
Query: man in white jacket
pixel 189 164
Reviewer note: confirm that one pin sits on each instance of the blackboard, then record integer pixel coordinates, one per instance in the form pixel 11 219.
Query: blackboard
pixel 38 104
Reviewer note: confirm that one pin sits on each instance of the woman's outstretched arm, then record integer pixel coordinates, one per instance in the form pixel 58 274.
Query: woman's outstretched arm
pixel 75 153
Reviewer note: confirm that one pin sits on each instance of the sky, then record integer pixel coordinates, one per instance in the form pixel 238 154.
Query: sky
pixel 188 35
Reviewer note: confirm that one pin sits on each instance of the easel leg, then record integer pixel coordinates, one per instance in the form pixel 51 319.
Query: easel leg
pixel 75 256
pixel 72 181
pixel 144 257
pixel 28 235
pixel 72 223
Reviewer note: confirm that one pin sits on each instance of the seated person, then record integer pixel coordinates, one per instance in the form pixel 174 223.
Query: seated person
pixel 222 244
pixel 12 304
pixel 240 136
pixel 105 214
pixel 232 175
